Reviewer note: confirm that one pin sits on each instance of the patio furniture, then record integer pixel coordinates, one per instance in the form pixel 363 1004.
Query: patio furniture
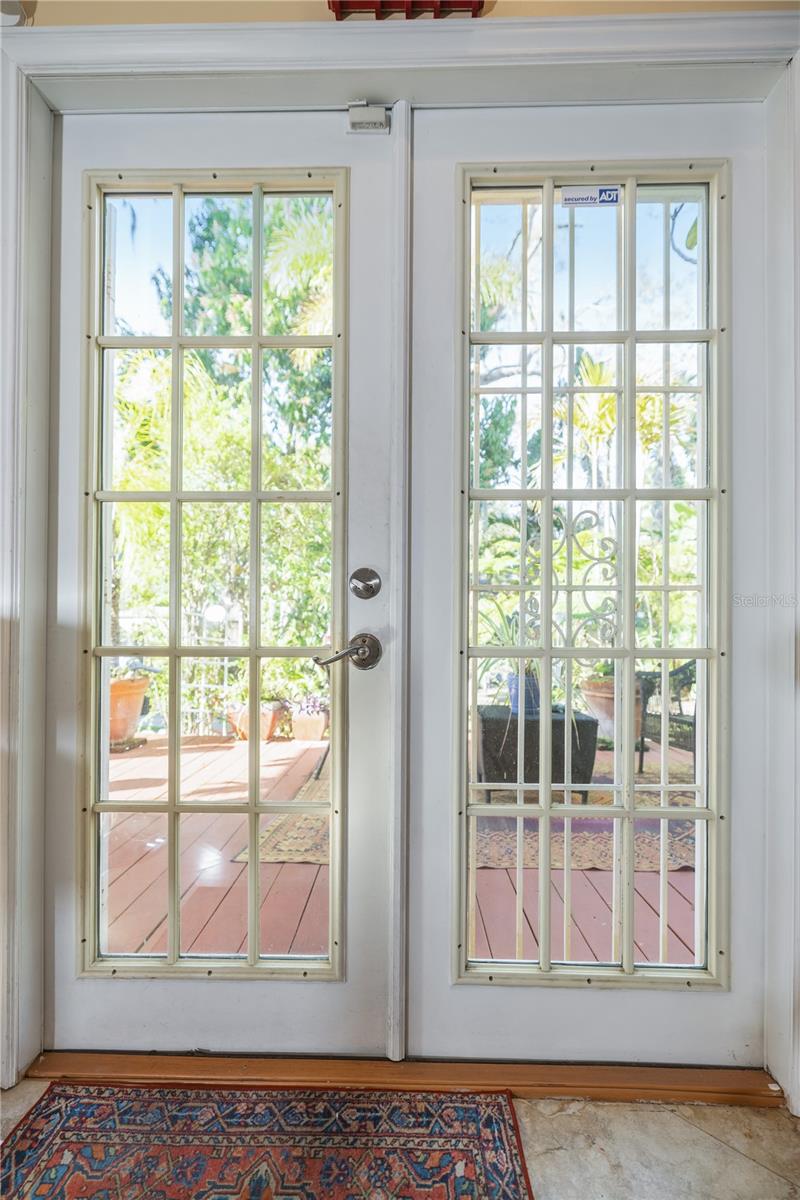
pixel 497 746
pixel 681 679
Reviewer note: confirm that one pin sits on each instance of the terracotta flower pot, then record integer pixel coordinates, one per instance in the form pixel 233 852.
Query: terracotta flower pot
pixel 309 727
pixel 599 696
pixel 126 701
pixel 239 719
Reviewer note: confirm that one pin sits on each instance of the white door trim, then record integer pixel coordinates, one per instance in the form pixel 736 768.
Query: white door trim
pixel 27 134
pixel 251 66
pixel 677 38
pixel 402 130
pixel 624 59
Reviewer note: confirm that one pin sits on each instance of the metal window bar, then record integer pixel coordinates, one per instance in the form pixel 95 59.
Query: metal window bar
pixel 624 651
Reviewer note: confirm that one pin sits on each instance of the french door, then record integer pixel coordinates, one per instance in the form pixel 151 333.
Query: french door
pixel 569 717
pixel 223 468
pixel 232 344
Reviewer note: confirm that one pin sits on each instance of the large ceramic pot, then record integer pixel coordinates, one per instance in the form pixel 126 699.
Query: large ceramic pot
pixel 126 701
pixel 598 695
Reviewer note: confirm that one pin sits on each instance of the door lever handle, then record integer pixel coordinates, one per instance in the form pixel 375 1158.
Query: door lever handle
pixel 364 650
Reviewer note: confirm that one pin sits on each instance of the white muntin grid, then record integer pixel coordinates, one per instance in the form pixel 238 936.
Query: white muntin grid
pixel 703 801
pixel 257 185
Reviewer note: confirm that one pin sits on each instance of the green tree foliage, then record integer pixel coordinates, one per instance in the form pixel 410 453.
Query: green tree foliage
pixel 216 440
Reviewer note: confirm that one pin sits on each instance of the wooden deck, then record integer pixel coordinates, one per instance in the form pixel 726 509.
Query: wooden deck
pixel 591 926
pixel 294 894
pixel 213 850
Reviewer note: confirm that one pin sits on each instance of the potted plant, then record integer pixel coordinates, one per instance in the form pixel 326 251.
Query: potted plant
pixel 310 719
pixel 598 693
pixel 503 630
pixel 127 690
pixel 271 712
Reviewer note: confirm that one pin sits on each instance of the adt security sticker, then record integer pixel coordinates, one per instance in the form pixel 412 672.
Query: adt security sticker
pixel 574 196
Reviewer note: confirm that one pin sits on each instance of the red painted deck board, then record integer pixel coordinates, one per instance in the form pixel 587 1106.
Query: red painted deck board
pixel 284 905
pixel 294 915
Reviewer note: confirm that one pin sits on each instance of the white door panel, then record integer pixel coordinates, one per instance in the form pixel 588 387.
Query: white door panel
pixel 546 1019
pixel 256 1014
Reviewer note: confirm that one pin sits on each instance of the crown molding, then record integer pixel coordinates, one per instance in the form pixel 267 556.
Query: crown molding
pixel 72 51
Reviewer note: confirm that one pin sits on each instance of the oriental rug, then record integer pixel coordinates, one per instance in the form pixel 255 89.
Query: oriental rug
pixel 99 1142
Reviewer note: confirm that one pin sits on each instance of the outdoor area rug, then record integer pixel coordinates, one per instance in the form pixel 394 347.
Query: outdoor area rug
pixel 590 849
pixel 90 1142
pixel 304 838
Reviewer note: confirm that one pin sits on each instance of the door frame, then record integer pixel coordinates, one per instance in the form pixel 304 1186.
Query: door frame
pixel 50 72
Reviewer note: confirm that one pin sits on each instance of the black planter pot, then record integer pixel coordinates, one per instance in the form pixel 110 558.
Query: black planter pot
pixel 497 746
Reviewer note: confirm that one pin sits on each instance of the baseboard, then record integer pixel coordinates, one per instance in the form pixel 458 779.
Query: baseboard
pixel 532 1081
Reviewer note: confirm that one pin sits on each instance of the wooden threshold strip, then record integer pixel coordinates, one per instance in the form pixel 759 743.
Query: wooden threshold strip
pixel 529 1081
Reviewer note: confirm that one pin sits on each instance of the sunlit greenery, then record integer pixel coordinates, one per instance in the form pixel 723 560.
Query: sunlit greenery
pixel 587 441
pixel 217 450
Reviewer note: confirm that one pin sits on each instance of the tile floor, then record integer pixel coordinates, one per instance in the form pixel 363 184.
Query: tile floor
pixel 577 1150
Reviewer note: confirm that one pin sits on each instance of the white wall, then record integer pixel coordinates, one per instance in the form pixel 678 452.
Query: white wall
pixel 782 909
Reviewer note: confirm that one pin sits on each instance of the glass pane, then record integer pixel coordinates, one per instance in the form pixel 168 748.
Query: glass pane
pixel 586 698
pixel 136 573
pixel 503 889
pixel 674 617
pixel 686 679
pixel 586 285
pixel 214 730
pixel 298 265
pixel 650 519
pixel 669 892
pixel 495 703
pixel 296 419
pixel 679 365
pixel 294 879
pixel 133 754
pixel 596 718
pixel 687 537
pixel 507 368
pixel 132 876
pixel 507 238
pixel 296 548
pixel 501 262
pixel 218 270
pixel 215 576
pixel 670 416
pixel 497 542
pixel 586 550
pixel 137 387
pixel 671 743
pixel 685 618
pixel 671 257
pixel 137 291
pixel 216 420
pixel 213 883
pixel 685 414
pixel 585 896
pixel 581 367
pixel 650 439
pixel 295 747
pixel 499 442
pixel 506 618
pixel 587 440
